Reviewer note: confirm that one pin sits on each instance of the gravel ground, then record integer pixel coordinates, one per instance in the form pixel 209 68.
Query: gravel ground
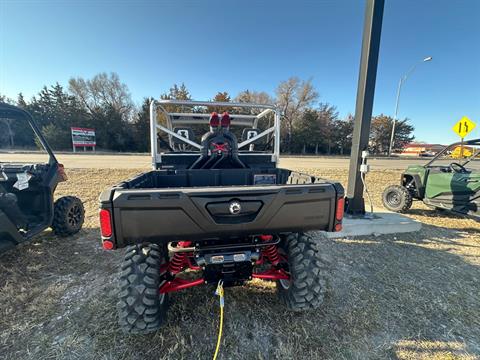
pixel 405 296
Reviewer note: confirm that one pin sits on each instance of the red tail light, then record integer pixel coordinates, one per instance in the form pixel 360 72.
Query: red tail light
pixel 225 119
pixel 214 120
pixel 107 245
pixel 105 223
pixel 340 209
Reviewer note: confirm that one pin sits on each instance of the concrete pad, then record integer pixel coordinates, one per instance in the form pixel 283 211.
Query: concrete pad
pixel 379 223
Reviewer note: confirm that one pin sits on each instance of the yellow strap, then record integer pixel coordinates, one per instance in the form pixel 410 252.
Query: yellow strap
pixel 220 293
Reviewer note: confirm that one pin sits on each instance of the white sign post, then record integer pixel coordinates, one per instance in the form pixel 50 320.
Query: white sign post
pixel 82 137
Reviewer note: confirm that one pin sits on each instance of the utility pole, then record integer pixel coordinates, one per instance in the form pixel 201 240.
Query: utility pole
pixel 363 110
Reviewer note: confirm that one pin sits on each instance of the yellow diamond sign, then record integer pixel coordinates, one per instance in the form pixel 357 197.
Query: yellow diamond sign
pixel 464 126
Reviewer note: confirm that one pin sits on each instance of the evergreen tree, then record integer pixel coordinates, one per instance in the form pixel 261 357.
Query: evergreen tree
pixel 141 127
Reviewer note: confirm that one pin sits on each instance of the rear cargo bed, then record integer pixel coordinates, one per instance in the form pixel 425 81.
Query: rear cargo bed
pixel 166 205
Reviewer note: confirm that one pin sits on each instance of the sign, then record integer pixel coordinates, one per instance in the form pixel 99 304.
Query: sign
pixel 82 137
pixel 464 126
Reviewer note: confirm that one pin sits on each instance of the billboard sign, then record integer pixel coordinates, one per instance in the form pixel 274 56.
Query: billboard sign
pixel 82 137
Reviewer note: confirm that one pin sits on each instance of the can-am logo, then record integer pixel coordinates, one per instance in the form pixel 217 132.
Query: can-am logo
pixel 235 207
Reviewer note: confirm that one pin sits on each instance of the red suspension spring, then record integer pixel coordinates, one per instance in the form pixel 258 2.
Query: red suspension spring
pixel 179 260
pixel 270 251
pixel 177 263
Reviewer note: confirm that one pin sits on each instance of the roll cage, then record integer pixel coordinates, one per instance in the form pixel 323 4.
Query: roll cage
pixel 473 142
pixel 8 111
pixel 196 117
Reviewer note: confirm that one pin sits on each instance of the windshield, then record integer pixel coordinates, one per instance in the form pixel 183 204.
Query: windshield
pixel 467 155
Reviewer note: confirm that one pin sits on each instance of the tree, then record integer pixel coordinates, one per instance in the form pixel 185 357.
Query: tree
pixel 312 132
pixel 254 97
pixel 176 93
pixel 293 97
pixel 141 127
pixel 307 132
pixel 107 102
pixel 327 117
pixel 6 126
pixel 220 97
pixel 341 133
pixel 57 138
pixel 103 92
pixel 381 131
pixel 55 111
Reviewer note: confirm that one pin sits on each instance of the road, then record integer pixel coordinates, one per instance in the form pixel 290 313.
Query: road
pixel 141 161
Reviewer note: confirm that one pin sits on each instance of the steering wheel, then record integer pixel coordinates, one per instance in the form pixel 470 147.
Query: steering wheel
pixel 458 168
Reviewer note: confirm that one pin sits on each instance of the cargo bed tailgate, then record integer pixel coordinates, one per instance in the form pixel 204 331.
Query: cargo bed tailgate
pixel 213 212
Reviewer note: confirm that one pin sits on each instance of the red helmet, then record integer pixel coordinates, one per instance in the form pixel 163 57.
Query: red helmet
pixel 225 120
pixel 214 120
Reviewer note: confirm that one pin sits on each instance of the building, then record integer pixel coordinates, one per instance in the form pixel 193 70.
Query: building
pixel 421 149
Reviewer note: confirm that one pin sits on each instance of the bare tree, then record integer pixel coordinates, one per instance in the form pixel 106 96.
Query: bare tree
pixel 255 97
pixel 103 91
pixel 294 96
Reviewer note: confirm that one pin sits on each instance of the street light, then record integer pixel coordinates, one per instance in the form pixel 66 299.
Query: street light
pixel 400 83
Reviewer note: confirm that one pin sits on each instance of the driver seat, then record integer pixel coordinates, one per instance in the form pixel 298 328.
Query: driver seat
pixel 9 205
pixel 219 146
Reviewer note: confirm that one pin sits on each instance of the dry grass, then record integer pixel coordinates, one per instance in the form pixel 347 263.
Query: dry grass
pixel 408 296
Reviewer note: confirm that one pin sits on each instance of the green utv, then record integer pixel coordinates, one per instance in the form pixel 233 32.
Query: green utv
pixel 444 183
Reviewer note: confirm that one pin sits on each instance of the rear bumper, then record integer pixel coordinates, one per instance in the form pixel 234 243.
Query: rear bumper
pixel 163 215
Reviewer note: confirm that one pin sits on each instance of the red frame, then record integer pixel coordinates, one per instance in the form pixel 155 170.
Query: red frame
pixel 182 260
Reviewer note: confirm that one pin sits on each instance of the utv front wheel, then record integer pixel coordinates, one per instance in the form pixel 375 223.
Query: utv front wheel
pixel 68 216
pixel 309 274
pixel 397 198
pixel 141 308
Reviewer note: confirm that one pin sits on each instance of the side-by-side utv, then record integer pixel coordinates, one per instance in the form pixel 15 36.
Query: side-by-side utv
pixel 26 192
pixel 219 207
pixel 445 182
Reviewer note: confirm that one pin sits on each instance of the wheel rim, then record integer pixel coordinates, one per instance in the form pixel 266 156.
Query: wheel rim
pixel 74 216
pixel 394 198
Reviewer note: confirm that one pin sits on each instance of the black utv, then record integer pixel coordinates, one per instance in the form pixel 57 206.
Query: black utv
pixel 27 204
pixel 218 206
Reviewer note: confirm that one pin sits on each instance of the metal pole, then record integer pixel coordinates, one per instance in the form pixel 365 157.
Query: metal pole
pixel 153 134
pixel 390 148
pixel 400 83
pixel 363 111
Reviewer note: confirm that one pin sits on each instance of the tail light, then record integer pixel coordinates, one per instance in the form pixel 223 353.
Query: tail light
pixel 105 223
pixel 339 213
pixel 340 209
pixel 214 120
pixel 61 173
pixel 225 120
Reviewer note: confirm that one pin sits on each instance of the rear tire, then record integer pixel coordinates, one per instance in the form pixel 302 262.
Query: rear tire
pixel 397 198
pixel 141 308
pixel 68 216
pixel 309 274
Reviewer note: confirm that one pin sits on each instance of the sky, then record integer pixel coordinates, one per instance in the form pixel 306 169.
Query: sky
pixel 236 45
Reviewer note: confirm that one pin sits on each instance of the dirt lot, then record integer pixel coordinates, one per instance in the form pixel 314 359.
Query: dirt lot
pixel 411 296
